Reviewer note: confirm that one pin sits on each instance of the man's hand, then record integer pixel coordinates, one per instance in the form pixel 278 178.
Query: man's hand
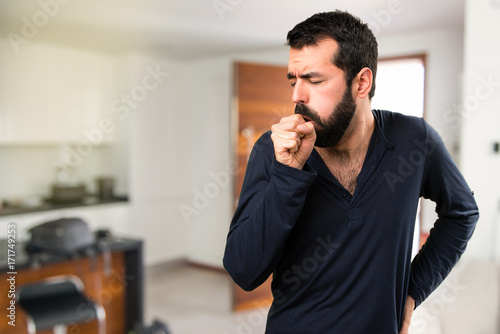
pixel 410 305
pixel 293 140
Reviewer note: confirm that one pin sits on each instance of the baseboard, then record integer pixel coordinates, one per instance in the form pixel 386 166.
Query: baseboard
pixel 165 266
pixel 178 263
pixel 206 266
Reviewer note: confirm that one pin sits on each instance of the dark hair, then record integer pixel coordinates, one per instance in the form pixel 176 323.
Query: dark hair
pixel 358 46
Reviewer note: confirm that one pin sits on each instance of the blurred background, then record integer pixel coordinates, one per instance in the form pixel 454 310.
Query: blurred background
pixel 128 115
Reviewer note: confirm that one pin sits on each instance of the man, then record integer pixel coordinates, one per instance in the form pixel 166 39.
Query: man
pixel 330 196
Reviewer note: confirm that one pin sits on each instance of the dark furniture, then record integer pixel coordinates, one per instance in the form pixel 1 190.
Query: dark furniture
pixel 113 277
pixel 57 302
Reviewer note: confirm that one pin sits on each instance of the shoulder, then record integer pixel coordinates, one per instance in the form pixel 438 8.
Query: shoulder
pixel 389 118
pixel 397 126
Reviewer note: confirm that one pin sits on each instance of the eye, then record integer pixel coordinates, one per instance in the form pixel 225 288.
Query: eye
pixel 292 84
pixel 316 82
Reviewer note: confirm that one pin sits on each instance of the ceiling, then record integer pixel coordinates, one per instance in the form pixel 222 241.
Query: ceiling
pixel 187 29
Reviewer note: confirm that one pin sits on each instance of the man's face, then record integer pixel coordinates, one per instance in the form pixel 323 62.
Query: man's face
pixel 320 91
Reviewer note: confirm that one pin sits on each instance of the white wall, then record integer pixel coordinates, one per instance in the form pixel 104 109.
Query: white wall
pixel 481 122
pixel 159 151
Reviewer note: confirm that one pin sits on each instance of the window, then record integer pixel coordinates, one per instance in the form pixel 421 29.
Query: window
pixel 400 85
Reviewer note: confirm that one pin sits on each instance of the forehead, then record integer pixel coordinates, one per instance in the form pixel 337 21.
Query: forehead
pixel 312 57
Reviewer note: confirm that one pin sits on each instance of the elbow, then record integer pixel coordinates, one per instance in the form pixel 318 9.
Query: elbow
pixel 473 218
pixel 246 285
pixel 243 278
pixel 475 211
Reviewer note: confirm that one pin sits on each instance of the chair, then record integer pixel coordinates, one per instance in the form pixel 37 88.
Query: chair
pixel 57 302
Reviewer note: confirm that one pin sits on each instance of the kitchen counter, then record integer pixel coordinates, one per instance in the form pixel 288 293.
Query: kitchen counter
pixel 46 206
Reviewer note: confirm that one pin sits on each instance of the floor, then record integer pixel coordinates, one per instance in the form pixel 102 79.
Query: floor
pixel 193 300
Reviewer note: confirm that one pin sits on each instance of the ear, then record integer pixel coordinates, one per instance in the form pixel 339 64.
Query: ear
pixel 364 81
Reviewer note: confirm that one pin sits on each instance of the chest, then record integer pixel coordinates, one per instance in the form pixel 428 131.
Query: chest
pixel 346 174
pixel 345 168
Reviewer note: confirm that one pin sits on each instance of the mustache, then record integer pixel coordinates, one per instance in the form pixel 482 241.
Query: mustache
pixel 306 112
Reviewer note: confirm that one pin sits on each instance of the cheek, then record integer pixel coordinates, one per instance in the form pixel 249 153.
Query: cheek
pixel 325 104
pixel 334 94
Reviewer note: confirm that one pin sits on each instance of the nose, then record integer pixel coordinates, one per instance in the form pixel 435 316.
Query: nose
pixel 300 94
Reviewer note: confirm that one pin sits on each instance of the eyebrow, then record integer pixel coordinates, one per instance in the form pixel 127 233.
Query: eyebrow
pixel 304 76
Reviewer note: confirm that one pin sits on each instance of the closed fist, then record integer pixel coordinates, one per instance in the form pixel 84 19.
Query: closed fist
pixel 293 140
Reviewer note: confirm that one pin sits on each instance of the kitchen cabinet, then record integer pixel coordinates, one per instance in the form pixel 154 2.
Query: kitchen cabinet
pixel 53 94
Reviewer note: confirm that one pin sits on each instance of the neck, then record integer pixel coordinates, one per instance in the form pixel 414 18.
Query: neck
pixel 357 136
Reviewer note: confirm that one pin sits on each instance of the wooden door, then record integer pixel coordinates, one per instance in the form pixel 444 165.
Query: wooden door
pixel 263 97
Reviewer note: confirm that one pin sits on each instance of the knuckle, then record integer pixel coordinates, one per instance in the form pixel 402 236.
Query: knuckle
pixel 290 135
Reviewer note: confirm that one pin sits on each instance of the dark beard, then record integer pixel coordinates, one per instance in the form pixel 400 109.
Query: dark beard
pixel 330 133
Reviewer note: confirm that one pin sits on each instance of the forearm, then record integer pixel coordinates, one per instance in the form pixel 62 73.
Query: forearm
pixel 445 245
pixel 262 222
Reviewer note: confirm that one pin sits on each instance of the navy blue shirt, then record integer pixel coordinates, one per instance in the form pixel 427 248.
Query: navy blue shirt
pixel 341 263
